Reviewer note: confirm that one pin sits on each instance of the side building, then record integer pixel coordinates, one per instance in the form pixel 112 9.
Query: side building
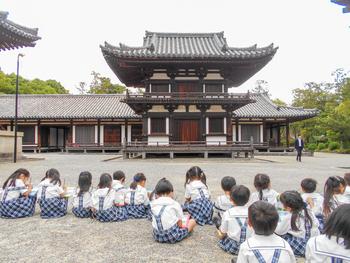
pixel 105 123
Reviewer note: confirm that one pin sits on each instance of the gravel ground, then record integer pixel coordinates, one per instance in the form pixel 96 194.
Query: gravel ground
pixel 69 239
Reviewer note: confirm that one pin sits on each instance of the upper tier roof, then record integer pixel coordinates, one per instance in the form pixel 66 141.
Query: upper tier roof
pixel 110 106
pixel 172 51
pixel 187 45
pixel 13 35
pixel 345 3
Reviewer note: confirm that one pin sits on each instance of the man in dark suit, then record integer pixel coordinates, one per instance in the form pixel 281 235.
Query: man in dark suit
pixel 299 146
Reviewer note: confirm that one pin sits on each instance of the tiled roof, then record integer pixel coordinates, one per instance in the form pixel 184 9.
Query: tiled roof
pixel 13 35
pixel 263 107
pixel 187 45
pixel 345 3
pixel 65 107
pixel 110 106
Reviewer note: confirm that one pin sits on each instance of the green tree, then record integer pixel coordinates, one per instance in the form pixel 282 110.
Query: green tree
pixel 333 102
pixel 279 102
pixel 35 86
pixel 103 85
pixel 261 86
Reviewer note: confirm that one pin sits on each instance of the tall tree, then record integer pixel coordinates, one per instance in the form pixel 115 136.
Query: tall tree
pixel 103 85
pixel 261 86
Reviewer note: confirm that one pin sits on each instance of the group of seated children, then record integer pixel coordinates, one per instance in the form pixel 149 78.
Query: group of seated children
pixel 264 226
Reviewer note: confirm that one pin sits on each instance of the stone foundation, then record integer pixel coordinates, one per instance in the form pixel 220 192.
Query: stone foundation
pixel 7 143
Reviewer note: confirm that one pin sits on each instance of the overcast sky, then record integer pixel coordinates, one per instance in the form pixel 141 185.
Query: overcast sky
pixel 313 36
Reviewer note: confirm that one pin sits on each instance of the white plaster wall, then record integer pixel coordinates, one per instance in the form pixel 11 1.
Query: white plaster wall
pixel 161 140
pixel 216 140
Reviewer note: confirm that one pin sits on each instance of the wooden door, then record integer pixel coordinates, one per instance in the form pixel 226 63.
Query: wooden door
pixel 186 87
pixel 187 131
pixel 112 135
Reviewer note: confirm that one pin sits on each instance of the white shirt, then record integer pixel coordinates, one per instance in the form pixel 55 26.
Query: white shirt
pixel 192 190
pixel 269 195
pixel 222 204
pixel 52 190
pixel 346 196
pixel 107 193
pixel 87 199
pixel 299 142
pixel 266 245
pixel 141 196
pixel 317 200
pixel 320 249
pixel 230 225
pixel 284 225
pixel 171 215
pixel 120 191
pixel 14 194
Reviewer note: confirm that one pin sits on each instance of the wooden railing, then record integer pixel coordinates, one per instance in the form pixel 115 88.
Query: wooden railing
pixel 188 95
pixel 190 144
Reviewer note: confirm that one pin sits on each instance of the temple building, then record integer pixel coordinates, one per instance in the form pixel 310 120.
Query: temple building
pixel 185 106
pixel 13 36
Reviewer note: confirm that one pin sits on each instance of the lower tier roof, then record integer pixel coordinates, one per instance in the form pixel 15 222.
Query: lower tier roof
pixel 110 107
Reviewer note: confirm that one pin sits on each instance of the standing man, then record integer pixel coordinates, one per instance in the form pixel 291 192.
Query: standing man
pixel 299 146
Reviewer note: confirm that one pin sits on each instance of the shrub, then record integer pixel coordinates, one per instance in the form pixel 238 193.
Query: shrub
pixel 333 146
pixel 311 147
pixel 345 151
pixel 321 146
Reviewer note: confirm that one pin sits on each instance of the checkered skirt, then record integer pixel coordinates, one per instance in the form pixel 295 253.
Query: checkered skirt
pixel 138 211
pixel 200 210
pixel 19 207
pixel 171 235
pixel 297 244
pixel 113 214
pixel 53 207
pixel 320 219
pixel 82 212
pixel 229 245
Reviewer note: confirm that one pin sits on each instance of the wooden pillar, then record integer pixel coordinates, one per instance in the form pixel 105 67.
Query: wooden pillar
pixel 264 131
pixel 39 136
pixel 203 125
pixel 70 135
pixel 11 124
pixel 279 135
pixel 229 126
pixel 98 132
pixel 171 123
pixel 237 131
pixel 287 132
pixel 144 126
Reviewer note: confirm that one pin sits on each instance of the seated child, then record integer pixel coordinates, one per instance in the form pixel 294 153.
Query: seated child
pixel 167 215
pixel 334 188
pixel 118 186
pixel 197 196
pixel 16 201
pixel 234 226
pixel 298 223
pixel 103 201
pixel 51 196
pixel 136 199
pixel 313 199
pixel 264 192
pixel 264 245
pixel 334 244
pixel 82 199
pixel 223 202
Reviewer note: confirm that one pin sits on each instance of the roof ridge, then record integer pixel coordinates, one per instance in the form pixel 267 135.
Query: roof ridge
pixel 183 34
pixel 63 95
